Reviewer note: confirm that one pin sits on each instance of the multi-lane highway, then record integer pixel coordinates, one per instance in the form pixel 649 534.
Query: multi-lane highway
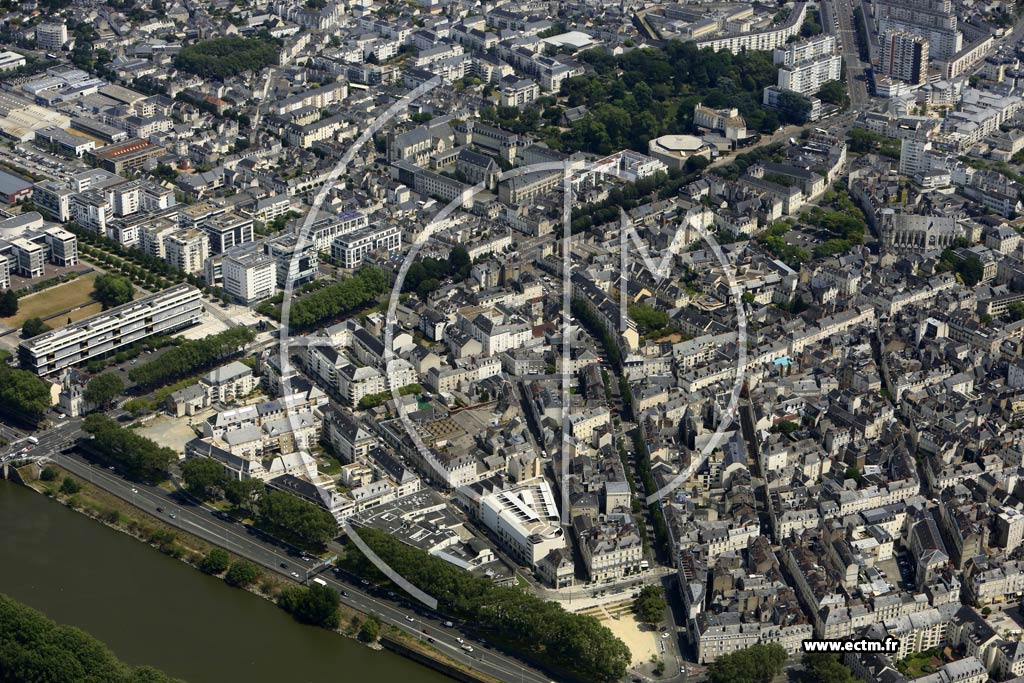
pixel 837 18
pixel 207 523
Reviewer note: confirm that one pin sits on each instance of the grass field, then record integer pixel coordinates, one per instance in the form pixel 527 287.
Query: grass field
pixel 54 300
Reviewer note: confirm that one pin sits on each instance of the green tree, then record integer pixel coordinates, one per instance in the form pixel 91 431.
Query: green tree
pixel 369 632
pixel 136 456
pixel 23 396
pixel 103 389
pixel 786 427
pixel 316 605
pixel 244 494
pixel 834 92
pixel 215 561
pixel 793 108
pixel 112 290
pixel 459 263
pixel 224 57
pixel 33 327
pixel 296 519
pixel 33 648
pixel 69 486
pixel 821 667
pixel 648 319
pixel 203 477
pixel 650 604
pixel 524 623
pixel 242 573
pixel 8 303
pixel 1015 311
pixel 49 474
pixel 755 664
pixel 192 355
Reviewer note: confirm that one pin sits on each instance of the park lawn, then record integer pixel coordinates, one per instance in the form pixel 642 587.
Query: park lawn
pixel 54 300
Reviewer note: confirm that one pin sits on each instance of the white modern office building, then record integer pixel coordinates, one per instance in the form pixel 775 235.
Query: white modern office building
pixel 525 520
pixel 349 251
pixel 249 276
pixel 162 313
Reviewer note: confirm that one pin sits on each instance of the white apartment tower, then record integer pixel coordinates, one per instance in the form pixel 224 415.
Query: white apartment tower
pixel 904 57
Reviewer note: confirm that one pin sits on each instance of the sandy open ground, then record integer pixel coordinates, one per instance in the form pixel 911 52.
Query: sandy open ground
pixel 54 300
pixel 172 432
pixel 641 639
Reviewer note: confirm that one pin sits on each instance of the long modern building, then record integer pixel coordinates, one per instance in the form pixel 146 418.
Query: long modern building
pixel 525 520
pixel 167 311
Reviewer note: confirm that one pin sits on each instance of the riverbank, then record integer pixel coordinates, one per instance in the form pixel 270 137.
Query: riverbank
pixel 117 514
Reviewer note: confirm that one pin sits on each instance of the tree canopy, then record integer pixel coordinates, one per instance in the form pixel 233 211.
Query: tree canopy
pixel 33 327
pixel 23 396
pixel 648 319
pixel 203 477
pixel 295 519
pixel 821 667
pixel 834 92
pixel 8 303
pixel 215 561
pixel 190 356
pixel 223 57
pixel 642 94
pixel 575 646
pixel 33 648
pixel 424 276
pixel 102 389
pixel 316 605
pixel 112 290
pixel 242 573
pixel 136 456
pixel 755 664
pixel 650 604
pixel 332 301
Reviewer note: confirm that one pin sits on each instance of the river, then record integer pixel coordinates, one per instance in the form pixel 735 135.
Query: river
pixel 151 609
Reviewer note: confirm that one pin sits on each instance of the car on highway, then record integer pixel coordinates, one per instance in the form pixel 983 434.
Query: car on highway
pixel 159 509
pixel 134 490
pixel 284 565
pixel 467 648
pixel 460 641
pixel 173 516
pixel 448 624
pixel 665 635
pixel 295 575
pixel 409 618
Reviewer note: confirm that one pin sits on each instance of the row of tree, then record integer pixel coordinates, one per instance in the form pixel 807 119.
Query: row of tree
pixel 190 356
pixel 575 646
pixel 285 515
pixel 33 648
pixel 339 299
pixel 135 456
